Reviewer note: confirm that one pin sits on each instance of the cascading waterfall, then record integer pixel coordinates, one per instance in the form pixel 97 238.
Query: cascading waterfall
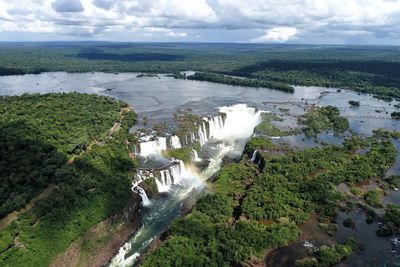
pixel 194 155
pixel 253 157
pixel 202 134
pixel 171 176
pixel 175 142
pixel 192 137
pixel 142 193
pixel 216 126
pixel 153 147
pixel 233 123
pixel 140 177
pixel 240 122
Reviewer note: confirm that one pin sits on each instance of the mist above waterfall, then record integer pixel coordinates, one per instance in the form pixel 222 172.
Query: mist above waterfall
pixel 239 123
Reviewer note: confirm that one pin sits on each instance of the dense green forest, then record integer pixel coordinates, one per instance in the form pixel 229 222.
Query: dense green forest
pixel 249 211
pixel 369 69
pixel 37 134
pixel 220 78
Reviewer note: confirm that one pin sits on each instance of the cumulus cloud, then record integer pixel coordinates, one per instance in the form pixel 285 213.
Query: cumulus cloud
pixel 176 34
pixel 67 6
pixel 18 11
pixel 104 4
pixel 337 21
pixel 277 34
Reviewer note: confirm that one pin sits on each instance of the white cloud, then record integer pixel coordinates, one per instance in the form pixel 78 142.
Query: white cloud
pixel 277 34
pixel 285 20
pixel 176 34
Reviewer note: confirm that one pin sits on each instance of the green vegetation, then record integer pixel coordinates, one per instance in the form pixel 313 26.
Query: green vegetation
pixel 329 255
pixel 249 211
pixel 220 78
pixel 354 103
pixel 39 130
pixel 373 198
pixel 186 123
pixel 319 119
pixel 183 154
pixel 390 221
pixel 258 143
pixel 38 133
pixel 356 191
pixel 150 187
pixel 213 234
pixel 393 181
pixel 267 128
pixel 386 133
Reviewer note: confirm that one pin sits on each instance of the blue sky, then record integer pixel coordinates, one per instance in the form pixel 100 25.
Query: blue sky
pixel 265 21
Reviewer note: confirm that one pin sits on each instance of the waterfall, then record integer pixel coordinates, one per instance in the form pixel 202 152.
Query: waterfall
pixel 142 193
pixel 176 174
pixel 192 137
pixel 194 155
pixel 153 147
pixel 253 157
pixel 140 177
pixel 173 175
pixel 175 142
pixel 233 123
pixel 119 259
pixel 202 136
pixel 240 122
pixel 164 182
pixel 216 127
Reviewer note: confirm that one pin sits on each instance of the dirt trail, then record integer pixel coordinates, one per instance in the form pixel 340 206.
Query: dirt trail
pixel 113 129
pixel 14 215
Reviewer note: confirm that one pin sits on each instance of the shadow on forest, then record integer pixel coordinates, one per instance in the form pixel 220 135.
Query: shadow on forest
pixel 27 165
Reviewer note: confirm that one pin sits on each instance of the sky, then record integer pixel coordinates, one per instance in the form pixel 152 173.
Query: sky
pixel 369 22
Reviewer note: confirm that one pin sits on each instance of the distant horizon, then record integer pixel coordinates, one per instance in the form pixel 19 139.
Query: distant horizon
pixel 200 42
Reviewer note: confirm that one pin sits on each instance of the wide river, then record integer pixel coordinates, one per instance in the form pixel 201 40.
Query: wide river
pixel 158 98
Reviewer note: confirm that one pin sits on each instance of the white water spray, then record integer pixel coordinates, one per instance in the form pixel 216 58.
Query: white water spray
pixel 194 155
pixel 253 157
pixel 153 147
pixel 145 199
pixel 175 142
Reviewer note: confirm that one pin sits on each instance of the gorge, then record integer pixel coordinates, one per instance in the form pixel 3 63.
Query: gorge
pixel 224 133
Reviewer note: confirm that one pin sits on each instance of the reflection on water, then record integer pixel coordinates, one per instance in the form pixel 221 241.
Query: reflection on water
pixel 375 251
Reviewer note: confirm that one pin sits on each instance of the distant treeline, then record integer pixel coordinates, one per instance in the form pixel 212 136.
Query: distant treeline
pixel 220 78
pixel 381 78
pixel 130 57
